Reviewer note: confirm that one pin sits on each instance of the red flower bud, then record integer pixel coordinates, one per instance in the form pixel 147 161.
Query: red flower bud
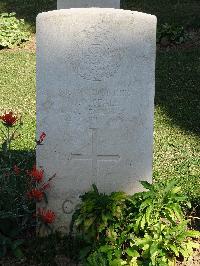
pixel 36 194
pixel 37 174
pixel 47 216
pixel 41 139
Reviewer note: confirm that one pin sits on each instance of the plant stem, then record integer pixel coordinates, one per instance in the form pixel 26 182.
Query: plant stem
pixel 9 140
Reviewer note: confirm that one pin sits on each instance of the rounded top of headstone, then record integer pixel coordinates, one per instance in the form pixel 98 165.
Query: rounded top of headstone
pixel 93 11
pixel 98 37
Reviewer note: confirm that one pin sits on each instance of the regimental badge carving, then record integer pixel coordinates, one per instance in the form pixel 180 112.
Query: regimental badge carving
pixel 96 55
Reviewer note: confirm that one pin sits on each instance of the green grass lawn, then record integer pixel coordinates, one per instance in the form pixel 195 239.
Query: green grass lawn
pixel 17 86
pixel 177 119
pixel 177 112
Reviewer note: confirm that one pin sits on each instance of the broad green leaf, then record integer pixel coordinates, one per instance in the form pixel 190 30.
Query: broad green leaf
pixel 146 185
pixel 117 262
pixel 174 249
pixel 170 186
pixel 143 221
pixel 177 210
pixel 176 190
pixel 132 252
pixel 105 248
pixel 193 233
pixel 146 203
pixel 154 252
pixel 88 222
pixel 148 214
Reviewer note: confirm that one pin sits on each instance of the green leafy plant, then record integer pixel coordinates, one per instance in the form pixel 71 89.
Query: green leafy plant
pixel 148 228
pixel 97 212
pixel 96 216
pixel 171 34
pixel 9 235
pixel 12 31
pixel 160 230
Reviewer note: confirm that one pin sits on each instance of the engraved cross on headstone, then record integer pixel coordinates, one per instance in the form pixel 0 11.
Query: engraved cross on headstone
pixel 94 156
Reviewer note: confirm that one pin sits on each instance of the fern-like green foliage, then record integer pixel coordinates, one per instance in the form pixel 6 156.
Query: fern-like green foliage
pixel 97 212
pixel 148 228
pixel 12 31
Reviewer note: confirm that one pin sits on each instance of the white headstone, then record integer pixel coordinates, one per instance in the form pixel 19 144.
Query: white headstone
pixel 95 101
pixel 62 4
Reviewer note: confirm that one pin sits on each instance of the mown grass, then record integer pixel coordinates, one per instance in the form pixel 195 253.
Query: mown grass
pixel 177 120
pixel 17 90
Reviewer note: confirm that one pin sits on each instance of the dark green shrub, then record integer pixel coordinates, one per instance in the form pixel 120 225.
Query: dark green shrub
pixel 170 34
pixel 15 211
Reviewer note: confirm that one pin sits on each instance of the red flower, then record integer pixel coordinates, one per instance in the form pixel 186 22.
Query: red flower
pixel 37 174
pixel 47 216
pixel 36 194
pixel 16 169
pixel 41 139
pixel 8 119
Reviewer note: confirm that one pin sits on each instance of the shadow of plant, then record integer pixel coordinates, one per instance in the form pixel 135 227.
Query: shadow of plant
pixel 24 159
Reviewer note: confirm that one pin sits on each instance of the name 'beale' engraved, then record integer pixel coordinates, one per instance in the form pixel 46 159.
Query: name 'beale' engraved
pixel 95 157
pixel 97 55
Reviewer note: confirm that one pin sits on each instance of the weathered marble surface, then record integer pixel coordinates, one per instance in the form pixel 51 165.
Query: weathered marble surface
pixel 95 101
pixel 62 4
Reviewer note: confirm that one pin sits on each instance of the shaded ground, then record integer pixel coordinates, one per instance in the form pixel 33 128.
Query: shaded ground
pixel 179 12
pixel 64 261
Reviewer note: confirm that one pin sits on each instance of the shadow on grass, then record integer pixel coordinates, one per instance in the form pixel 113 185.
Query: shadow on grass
pixel 185 13
pixel 23 159
pixel 27 9
pixel 177 88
